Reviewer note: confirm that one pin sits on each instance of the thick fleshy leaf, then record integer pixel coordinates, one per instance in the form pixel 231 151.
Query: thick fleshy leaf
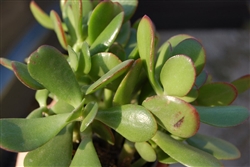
pixel 6 63
pixel 219 148
pixel 175 40
pixel 40 15
pixel 38 113
pixel 223 116
pixel 146 151
pixel 22 135
pixel 185 154
pixel 73 59
pixel 102 63
pixel 193 49
pixel 23 75
pixel 86 154
pixel 59 29
pixel 110 76
pixel 61 107
pixel 146 47
pixel 118 50
pixel 217 94
pixel 58 151
pixel 85 59
pixel 175 115
pixel 134 122
pixel 191 96
pixel 48 66
pixel 178 75
pixel 201 79
pixel 132 42
pixel 124 34
pixel 77 12
pixel 89 114
pixel 163 55
pixel 41 97
pixel 108 35
pixel 242 84
pixel 124 92
pixel 99 21
pixel 103 131
pixel 129 7
pixel 164 157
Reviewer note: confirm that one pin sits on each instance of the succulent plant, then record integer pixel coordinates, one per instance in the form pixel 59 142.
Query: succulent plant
pixel 113 93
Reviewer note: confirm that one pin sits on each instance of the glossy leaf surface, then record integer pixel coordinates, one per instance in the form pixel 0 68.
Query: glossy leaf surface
pixel 86 59
pixel 108 36
pixel 48 66
pixel 23 75
pixel 58 151
pixel 185 154
pixel 217 94
pixel 124 91
pixel 177 75
pixel 193 49
pixel 146 47
pixel 219 148
pixel 110 76
pixel 99 21
pixel 59 29
pixel 242 84
pixel 146 151
pixel 134 122
pixel 73 59
pixel 41 16
pixel 22 135
pixel 102 63
pixel 223 116
pixel 89 114
pixel 175 115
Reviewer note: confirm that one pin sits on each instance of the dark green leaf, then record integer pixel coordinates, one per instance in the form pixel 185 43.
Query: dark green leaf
pixel 134 122
pixel 48 66
pixel 242 84
pixel 124 34
pixel 223 116
pixel 175 115
pixel 185 154
pixel 118 50
pixel 58 151
pixel 201 79
pixel 219 148
pixel 22 135
pixel 89 114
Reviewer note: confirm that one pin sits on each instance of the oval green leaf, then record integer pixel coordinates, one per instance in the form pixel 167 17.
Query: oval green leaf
pixel 48 66
pixel 175 115
pixel 242 84
pixel 223 116
pixel 23 75
pixel 58 151
pixel 219 148
pixel 217 94
pixel 178 75
pixel 201 79
pixel 20 135
pixel 134 122
pixel 41 97
pixel 175 40
pixel 146 151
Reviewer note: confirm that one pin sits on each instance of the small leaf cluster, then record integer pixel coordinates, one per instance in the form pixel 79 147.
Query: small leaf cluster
pixel 114 85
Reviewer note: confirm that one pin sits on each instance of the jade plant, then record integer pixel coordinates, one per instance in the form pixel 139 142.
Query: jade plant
pixel 114 98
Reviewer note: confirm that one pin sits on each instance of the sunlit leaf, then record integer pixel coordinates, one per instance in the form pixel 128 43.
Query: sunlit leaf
pixel 73 59
pixel 37 113
pixel 48 66
pixel 217 94
pixel 146 151
pixel 86 59
pixel 22 135
pixel 89 114
pixel 242 84
pixel 178 75
pixel 164 157
pixel 185 154
pixel 41 97
pixel 176 39
pixel 61 107
pixel 175 115
pixel 219 148
pixel 134 122
pixel 58 151
pixel 223 116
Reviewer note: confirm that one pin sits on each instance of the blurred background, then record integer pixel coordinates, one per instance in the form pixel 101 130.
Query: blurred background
pixel 221 25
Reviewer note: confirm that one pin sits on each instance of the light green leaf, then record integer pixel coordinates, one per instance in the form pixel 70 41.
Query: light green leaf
pixel 73 59
pixel 85 59
pixel 146 151
pixel 242 84
pixel 219 148
pixel 163 157
pixel 48 66
pixel 58 151
pixel 6 63
pixel 37 113
pixel 110 76
pixel 178 75
pixel 175 115
pixel 23 75
pixel 223 116
pixel 175 40
pixel 217 94
pixel 191 96
pixel 185 154
pixel 22 135
pixel 134 122
pixel 61 107
pixel 125 90
pixel 41 97
pixel 89 114
pixel 41 16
